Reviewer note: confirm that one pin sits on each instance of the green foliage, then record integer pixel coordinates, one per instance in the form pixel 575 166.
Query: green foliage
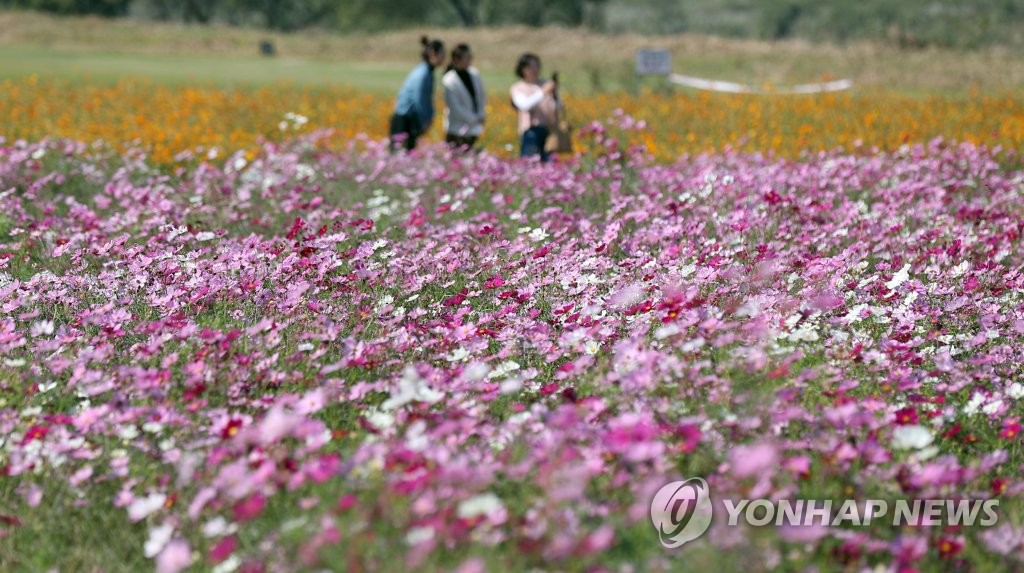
pixel 910 23
pixel 96 7
pixel 342 15
pixel 374 15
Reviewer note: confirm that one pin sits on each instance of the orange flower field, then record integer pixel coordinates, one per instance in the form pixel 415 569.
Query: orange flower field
pixel 171 119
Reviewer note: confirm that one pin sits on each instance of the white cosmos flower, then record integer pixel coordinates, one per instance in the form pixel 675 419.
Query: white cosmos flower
pixel 664 332
pixel 377 200
pixel 476 371
pixel 750 308
pixel 992 407
pixel 974 404
pixel 228 565
pixel 159 536
pixel 380 420
pixel 693 345
pixel 537 235
pixel 217 527
pixel 41 328
pixel 867 281
pixel 141 507
pixel 911 298
pixel 416 436
pixel 482 504
pixel 458 355
pixel 417 535
pixel 411 388
pixel 511 386
pixel 901 276
pixel 959 270
pixel 504 368
pixel 854 314
pixel 805 333
pixel 304 172
pixel 293 524
pixel 175 232
pixel 911 437
pixel 1015 391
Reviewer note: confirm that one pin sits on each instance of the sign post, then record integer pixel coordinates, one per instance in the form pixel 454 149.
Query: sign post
pixel 653 62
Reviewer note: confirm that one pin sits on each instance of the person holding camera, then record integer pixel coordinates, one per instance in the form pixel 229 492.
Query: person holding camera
pixel 537 103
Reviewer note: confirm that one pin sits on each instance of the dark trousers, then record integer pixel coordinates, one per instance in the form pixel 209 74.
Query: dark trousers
pixel 461 142
pixel 533 143
pixel 405 130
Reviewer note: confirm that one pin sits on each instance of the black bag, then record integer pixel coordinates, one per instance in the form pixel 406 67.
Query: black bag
pixel 404 131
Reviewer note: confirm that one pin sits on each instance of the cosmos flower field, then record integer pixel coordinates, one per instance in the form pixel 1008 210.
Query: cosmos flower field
pixel 305 358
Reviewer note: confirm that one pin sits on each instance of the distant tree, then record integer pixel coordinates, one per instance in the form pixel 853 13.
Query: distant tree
pixel 907 23
pixel 283 15
pixel 539 12
pixel 370 15
pixel 780 20
pixel 289 15
pixel 467 10
pixel 197 11
pixel 109 8
pixel 161 9
pixel 376 15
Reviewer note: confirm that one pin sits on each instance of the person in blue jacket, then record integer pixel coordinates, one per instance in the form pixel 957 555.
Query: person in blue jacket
pixel 414 108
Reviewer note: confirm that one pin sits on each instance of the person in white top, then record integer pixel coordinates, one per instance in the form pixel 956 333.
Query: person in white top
pixel 537 103
pixel 465 100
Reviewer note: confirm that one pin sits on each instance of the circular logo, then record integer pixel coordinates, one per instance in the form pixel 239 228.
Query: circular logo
pixel 681 511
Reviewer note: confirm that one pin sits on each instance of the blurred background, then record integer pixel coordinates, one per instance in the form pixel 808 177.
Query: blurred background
pixel 909 23
pixel 917 46
pixel 201 74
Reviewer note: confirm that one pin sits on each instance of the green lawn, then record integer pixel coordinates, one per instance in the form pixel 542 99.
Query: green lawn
pixel 221 70
pixel 230 71
pixel 109 50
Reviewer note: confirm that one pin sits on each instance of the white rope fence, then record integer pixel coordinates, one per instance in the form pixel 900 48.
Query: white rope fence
pixel 730 87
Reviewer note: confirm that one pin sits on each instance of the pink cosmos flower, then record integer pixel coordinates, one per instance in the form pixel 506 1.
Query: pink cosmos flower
pixel 753 460
pixel 175 557
pixel 249 508
pixel 223 549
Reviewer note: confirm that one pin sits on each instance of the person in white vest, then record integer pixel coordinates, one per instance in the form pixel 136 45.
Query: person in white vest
pixel 465 100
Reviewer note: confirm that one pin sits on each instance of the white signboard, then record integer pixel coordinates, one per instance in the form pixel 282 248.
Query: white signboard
pixel 653 63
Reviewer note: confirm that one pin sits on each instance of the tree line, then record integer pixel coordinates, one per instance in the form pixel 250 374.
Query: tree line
pixel 909 23
pixel 342 15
